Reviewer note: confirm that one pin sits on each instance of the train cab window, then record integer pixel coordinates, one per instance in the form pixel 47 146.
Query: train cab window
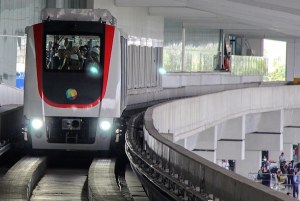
pixel 72 52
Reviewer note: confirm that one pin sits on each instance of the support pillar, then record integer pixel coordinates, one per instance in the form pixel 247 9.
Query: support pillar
pixel 204 144
pixel 263 133
pixel 250 166
pixel 231 139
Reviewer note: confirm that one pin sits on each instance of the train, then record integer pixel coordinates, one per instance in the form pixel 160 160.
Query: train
pixel 75 87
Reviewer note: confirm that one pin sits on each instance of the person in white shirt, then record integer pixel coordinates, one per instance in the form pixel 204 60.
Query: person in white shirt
pixel 282 161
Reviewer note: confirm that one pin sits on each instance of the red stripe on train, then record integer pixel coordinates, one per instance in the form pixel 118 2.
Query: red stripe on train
pixel 109 37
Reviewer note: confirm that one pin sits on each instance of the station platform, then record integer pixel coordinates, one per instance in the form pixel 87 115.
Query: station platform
pixel 282 188
pixel 5 108
pixel 10 124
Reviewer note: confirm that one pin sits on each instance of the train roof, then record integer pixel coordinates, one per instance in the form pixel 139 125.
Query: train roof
pixel 78 15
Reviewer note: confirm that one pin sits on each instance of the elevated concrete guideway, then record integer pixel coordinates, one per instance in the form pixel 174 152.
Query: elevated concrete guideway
pixel 236 124
pixel 185 117
pixel 249 120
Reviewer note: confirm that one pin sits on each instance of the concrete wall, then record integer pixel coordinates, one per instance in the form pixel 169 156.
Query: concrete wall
pixel 14 17
pixel 183 117
pixel 293 59
pixel 204 112
pixel 10 95
pixel 261 128
pixel 176 80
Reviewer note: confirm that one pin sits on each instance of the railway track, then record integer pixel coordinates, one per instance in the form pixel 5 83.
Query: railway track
pixel 66 176
pixel 31 179
pixel 63 185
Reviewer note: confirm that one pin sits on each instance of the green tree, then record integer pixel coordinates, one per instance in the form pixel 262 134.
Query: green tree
pixel 278 74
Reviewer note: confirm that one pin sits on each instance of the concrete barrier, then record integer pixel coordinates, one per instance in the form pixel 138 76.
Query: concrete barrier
pixel 182 118
pixel 19 182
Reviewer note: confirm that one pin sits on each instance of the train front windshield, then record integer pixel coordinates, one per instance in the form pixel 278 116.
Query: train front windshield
pixel 72 53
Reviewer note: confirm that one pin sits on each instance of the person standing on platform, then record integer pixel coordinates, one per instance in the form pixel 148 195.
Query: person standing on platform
pixel 259 173
pixel 290 172
pixel 295 184
pixel 266 179
pixel 282 161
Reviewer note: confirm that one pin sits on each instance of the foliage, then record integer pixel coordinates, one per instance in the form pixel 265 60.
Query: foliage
pixel 278 74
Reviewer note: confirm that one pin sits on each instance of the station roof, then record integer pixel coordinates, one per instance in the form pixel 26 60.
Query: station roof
pixel 251 17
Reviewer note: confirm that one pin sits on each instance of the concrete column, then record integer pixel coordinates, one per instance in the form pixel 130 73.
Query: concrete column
pixel 288 151
pixel 204 144
pixel 90 4
pixel 181 142
pixel 274 156
pixel 250 165
pixel 292 117
pixel 291 131
pixel 260 141
pixel 293 60
pixel 271 122
pixel 290 137
pixel 231 139
pixel 232 129
pixel 263 132
pixel 298 152
pixel 208 155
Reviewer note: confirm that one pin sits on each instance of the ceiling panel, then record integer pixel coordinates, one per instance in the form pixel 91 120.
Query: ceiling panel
pixel 265 16
pixel 180 12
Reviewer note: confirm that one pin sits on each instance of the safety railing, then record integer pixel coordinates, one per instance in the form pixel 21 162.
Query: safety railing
pixel 281 183
pixel 248 65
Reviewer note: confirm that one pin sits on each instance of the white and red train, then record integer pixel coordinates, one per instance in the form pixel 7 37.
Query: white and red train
pixel 75 80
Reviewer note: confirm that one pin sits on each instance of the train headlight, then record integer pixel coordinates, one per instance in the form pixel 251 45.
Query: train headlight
pixel 105 125
pixel 36 124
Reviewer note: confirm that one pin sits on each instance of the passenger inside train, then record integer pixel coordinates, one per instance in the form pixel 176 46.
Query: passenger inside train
pixel 72 53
